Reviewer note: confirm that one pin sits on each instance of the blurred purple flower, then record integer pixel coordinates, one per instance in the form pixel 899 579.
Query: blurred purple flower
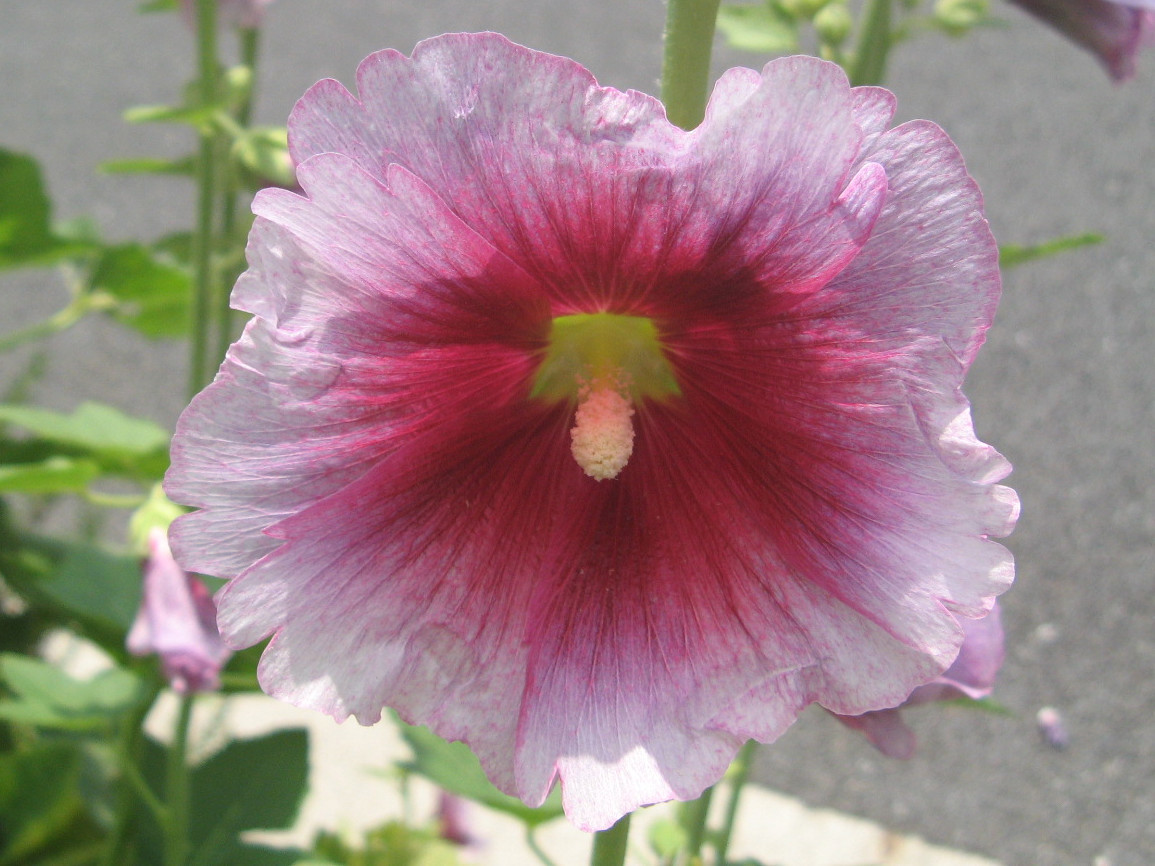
pixel 453 820
pixel 1112 31
pixel 971 676
pixel 236 13
pixel 1052 728
pixel 177 621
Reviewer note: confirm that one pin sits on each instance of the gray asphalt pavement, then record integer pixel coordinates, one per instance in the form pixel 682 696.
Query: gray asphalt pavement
pixel 1064 388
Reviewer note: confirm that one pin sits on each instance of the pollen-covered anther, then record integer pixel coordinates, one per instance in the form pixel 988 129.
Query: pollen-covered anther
pixel 603 434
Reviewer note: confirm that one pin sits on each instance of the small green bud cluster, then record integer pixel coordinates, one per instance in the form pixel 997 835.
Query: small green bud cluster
pixel 802 10
pixel 957 17
pixel 833 23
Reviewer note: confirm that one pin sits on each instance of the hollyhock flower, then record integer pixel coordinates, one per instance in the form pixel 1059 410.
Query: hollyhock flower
pixel 235 13
pixel 1112 31
pixel 177 621
pixel 971 676
pixel 601 445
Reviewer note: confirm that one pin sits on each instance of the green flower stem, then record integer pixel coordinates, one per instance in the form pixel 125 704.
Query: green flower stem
pixel 873 44
pixel 176 784
pixel 250 52
pixel 239 682
pixel 686 63
pixel 140 787
pixel 131 785
pixel 202 243
pixel 610 845
pixel 694 817
pixel 114 500
pixel 740 773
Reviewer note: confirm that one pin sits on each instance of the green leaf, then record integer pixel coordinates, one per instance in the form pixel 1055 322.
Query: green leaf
pixel 47 697
pixel 391 844
pixel 1011 255
pixel 249 785
pixel 39 799
pixel 259 855
pixel 764 28
pixel 159 6
pixel 154 296
pixel 92 427
pixel 99 590
pixel 455 768
pixel 54 475
pixel 667 837
pixel 185 167
pixel 26 236
pixel 78 230
pixel 95 584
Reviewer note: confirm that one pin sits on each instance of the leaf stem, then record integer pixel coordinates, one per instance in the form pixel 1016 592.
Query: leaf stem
pixel 686 62
pixel 77 309
pixel 610 845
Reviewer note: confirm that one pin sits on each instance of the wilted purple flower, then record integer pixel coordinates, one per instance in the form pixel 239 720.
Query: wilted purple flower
pixel 1112 31
pixel 601 445
pixel 177 621
pixel 972 676
pixel 235 13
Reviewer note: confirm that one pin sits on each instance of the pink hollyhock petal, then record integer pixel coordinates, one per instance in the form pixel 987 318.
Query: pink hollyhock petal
pixel 807 518
pixel 177 621
pixel 972 676
pixel 1112 31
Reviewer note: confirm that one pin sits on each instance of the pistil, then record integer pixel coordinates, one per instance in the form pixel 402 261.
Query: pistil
pixel 603 432
pixel 603 364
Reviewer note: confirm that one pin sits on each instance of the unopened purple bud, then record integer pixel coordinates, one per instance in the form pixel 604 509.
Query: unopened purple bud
pixel 453 817
pixel 1052 728
pixel 971 676
pixel 1112 31
pixel 177 620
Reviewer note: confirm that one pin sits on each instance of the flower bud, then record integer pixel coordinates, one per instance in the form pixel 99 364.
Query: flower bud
pixel 959 16
pixel 833 24
pixel 177 621
pixel 803 9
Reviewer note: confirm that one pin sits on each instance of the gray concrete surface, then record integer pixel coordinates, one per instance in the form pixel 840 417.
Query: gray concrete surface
pixel 1065 386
